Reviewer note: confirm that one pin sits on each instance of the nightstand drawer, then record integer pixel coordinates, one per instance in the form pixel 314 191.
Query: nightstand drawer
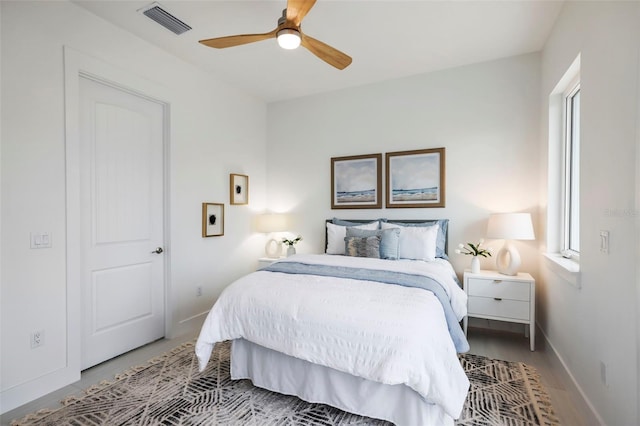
pixel 499 297
pixel 505 308
pixel 503 289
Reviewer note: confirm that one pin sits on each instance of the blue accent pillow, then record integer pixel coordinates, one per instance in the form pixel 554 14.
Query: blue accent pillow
pixel 389 240
pixel 441 239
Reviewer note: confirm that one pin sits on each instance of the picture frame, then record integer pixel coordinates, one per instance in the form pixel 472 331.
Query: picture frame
pixel 415 178
pixel 212 220
pixel 356 182
pixel 239 189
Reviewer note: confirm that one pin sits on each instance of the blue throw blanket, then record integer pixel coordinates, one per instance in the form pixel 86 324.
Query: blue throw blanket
pixel 386 277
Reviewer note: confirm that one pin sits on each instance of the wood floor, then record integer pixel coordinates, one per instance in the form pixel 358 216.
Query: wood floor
pixel 566 400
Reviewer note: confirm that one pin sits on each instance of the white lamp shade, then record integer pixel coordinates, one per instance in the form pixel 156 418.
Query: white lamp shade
pixel 269 223
pixel 510 226
pixel 272 222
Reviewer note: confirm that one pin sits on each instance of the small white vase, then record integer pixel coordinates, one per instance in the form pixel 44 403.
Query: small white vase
pixel 291 250
pixel 475 265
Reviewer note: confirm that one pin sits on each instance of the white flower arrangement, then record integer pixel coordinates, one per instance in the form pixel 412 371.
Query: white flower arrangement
pixel 292 242
pixel 473 249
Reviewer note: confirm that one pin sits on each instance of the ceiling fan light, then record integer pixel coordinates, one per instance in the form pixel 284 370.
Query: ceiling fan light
pixel 288 38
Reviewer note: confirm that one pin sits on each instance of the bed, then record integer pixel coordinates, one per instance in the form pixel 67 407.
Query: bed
pixel 372 336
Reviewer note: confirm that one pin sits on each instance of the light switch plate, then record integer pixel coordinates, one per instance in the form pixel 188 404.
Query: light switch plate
pixel 40 240
pixel 604 242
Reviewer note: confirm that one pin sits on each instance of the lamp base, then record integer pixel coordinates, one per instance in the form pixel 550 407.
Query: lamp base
pixel 508 260
pixel 273 248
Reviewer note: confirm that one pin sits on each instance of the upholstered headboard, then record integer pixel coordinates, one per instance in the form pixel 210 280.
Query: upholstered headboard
pixel 446 233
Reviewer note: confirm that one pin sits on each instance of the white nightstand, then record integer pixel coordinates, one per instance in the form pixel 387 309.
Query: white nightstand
pixel 494 296
pixel 266 261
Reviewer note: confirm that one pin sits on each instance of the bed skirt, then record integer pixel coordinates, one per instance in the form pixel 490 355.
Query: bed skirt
pixel 272 370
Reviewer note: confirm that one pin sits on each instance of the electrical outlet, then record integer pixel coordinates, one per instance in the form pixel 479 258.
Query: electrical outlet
pixel 199 291
pixel 37 339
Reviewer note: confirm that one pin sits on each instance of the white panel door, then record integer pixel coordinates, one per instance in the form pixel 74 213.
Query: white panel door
pixel 121 175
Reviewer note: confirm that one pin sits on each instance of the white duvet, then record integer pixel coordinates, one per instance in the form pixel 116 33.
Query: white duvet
pixel 381 332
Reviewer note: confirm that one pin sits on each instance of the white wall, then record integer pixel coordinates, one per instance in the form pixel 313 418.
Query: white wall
pixel 637 230
pixel 215 130
pixel 598 322
pixel 485 115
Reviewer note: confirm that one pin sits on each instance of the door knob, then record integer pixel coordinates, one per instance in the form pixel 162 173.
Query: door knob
pixel 158 250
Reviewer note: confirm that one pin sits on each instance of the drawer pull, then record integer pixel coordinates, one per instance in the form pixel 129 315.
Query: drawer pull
pixel 497 281
pixel 499 299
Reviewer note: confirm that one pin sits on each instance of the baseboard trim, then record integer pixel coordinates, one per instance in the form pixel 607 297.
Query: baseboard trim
pixel 19 395
pixel 584 396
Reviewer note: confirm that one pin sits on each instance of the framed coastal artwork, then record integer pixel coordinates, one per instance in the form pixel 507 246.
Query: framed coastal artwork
pixel 415 178
pixel 356 182
pixel 239 189
pixel 212 219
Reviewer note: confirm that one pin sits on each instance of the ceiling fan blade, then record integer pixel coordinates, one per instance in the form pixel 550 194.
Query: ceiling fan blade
pixel 298 9
pixel 325 52
pixel 237 40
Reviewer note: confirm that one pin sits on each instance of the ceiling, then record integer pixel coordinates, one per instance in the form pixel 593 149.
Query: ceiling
pixel 386 39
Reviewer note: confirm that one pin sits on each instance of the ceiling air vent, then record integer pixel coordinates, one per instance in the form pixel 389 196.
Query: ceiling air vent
pixel 164 18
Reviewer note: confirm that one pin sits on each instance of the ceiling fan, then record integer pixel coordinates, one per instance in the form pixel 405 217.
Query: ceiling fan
pixel 289 36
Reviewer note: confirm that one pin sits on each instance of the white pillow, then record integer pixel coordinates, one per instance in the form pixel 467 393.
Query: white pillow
pixel 336 234
pixel 416 242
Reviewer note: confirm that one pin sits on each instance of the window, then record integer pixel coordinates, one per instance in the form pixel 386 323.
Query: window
pixel 570 243
pixel 563 177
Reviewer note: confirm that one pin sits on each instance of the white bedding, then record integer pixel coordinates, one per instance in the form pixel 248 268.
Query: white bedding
pixel 385 333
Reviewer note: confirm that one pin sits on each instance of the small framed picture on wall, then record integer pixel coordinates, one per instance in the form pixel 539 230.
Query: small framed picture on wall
pixel 239 188
pixel 212 219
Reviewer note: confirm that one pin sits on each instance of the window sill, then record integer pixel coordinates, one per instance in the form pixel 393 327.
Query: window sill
pixel 567 269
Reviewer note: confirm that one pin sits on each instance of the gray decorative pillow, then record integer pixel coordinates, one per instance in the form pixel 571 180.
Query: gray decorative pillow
pixel 389 240
pixel 362 246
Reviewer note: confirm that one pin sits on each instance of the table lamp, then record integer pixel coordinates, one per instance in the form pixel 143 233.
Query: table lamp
pixel 509 226
pixel 269 223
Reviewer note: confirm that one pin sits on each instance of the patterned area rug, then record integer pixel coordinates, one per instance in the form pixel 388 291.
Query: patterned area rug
pixel 170 391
